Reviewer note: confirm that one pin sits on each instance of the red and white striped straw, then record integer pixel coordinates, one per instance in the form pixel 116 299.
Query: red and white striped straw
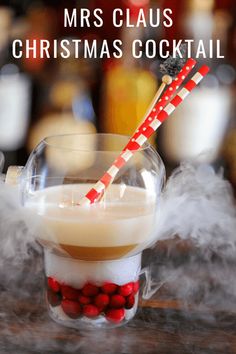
pixel 155 120
pixel 168 94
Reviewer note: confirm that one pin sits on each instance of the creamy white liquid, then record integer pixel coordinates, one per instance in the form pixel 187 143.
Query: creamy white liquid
pixel 125 218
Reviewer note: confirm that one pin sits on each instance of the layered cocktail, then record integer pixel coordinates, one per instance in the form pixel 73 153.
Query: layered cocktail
pixel 92 252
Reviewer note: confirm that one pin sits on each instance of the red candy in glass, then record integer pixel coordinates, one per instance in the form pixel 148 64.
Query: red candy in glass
pixel 126 290
pixel 54 298
pixel 53 284
pixel 117 301
pixel 90 290
pixel 130 302
pixel 110 299
pixel 90 311
pixel 115 315
pixel 101 300
pixel 71 308
pixel 84 300
pixel 69 293
pixel 109 288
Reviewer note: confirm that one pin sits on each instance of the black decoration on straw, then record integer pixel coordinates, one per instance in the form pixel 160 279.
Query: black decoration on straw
pixel 172 66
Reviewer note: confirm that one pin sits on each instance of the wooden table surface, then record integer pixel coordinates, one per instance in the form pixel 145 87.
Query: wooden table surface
pixel 162 325
pixel 159 327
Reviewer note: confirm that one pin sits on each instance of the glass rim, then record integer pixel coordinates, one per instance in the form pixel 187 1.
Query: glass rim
pixel 46 141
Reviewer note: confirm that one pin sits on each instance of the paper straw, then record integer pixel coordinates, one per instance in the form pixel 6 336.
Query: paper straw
pixel 168 94
pixel 155 120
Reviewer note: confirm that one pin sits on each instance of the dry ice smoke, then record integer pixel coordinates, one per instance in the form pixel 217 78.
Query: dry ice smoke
pixel 197 208
pixel 17 241
pixel 198 204
pixel 197 211
pixel 25 327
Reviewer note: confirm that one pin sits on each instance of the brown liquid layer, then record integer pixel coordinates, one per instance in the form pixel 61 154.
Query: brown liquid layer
pixel 89 253
pixel 97 253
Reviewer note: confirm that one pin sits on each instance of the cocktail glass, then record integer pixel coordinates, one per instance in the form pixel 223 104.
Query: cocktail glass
pixel 92 253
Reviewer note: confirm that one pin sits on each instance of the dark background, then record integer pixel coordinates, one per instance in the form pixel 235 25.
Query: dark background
pixel 40 97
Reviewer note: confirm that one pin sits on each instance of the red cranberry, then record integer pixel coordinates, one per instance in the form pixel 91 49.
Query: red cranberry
pixel 69 293
pixel 126 290
pixel 84 300
pixel 130 302
pixel 109 288
pixel 54 299
pixel 71 308
pixel 101 301
pixel 115 315
pixel 117 301
pixel 53 284
pixel 90 310
pixel 90 290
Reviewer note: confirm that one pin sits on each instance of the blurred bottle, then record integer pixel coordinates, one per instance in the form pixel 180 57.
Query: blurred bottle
pixel 15 92
pixel 128 88
pixel 229 153
pixel 198 128
pixel 128 92
pixel 41 24
pixel 68 108
pixel 199 21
